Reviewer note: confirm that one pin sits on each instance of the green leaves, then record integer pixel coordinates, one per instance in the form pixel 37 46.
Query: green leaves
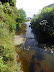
pixel 22 16
pixel 44 21
pixel 2 65
pixel 10 17
pixel 11 2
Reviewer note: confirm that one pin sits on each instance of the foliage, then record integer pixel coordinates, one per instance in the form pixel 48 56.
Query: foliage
pixel 7 8
pixel 8 16
pixel 44 21
pixel 11 2
pixel 22 16
pixel 7 51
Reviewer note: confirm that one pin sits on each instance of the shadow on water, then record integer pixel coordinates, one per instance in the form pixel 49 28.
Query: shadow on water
pixel 34 54
pixel 44 40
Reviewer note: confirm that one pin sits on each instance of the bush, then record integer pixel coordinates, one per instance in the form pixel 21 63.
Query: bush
pixel 22 16
pixel 44 21
pixel 7 9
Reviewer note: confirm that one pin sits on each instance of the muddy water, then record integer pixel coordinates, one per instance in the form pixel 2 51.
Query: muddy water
pixel 34 57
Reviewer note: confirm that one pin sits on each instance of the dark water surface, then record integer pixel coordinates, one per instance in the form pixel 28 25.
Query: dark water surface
pixel 34 57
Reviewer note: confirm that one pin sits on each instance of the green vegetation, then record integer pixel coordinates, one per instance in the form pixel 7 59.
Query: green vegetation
pixel 44 21
pixel 11 2
pixel 8 16
pixel 22 16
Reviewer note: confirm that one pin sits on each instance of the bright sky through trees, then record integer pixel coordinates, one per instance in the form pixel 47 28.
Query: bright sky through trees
pixel 31 7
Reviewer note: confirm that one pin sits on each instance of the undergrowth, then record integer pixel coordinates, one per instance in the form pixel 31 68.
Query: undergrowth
pixel 8 16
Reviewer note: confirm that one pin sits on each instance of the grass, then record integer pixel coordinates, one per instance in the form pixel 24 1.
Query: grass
pixel 8 15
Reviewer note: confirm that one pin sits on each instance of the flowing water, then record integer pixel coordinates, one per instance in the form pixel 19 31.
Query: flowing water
pixel 33 56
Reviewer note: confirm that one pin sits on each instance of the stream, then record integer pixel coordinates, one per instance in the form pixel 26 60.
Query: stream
pixel 33 56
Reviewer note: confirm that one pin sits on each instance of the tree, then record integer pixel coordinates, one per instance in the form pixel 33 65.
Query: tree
pixel 22 16
pixel 44 21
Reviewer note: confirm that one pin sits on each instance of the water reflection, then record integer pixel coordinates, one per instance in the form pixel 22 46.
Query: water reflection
pixel 22 30
pixel 34 56
pixel 25 57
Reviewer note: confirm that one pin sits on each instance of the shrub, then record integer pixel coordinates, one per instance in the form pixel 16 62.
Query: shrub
pixel 44 21
pixel 7 9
